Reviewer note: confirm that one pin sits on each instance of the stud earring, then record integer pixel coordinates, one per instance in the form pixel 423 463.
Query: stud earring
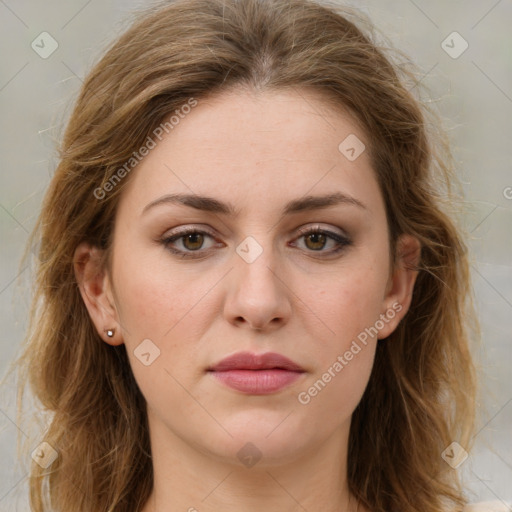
pixel 110 333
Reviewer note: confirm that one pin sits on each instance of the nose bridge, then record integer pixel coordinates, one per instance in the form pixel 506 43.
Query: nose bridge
pixel 258 295
pixel 256 261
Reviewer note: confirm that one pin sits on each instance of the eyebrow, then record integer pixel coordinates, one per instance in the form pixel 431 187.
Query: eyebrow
pixel 210 204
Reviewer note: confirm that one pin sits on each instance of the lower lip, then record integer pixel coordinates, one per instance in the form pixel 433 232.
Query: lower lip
pixel 257 382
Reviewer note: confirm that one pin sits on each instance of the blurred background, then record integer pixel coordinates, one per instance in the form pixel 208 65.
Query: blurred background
pixel 464 52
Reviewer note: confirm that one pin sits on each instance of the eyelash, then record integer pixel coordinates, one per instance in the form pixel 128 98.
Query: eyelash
pixel 341 240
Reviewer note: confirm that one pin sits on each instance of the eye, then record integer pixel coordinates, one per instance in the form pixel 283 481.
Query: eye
pixel 316 239
pixel 191 239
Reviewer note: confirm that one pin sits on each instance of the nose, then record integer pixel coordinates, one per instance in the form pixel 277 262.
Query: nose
pixel 258 296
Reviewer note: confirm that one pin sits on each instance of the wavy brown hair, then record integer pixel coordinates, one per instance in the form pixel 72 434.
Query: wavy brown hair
pixel 421 392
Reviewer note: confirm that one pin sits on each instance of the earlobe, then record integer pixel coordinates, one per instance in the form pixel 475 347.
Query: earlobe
pixel 401 283
pixel 94 284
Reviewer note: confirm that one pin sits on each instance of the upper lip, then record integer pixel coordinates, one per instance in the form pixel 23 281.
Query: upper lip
pixel 249 361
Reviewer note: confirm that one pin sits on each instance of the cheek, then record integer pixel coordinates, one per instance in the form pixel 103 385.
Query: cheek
pixel 173 309
pixel 166 308
pixel 349 307
pixel 153 296
pixel 350 301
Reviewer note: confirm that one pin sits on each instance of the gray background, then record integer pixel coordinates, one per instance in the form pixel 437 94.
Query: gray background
pixel 472 92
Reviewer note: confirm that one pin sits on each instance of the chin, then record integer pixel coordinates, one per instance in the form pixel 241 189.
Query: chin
pixel 274 439
pixel 258 453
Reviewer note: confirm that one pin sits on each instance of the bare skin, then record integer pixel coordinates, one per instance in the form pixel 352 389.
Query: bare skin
pixel 257 151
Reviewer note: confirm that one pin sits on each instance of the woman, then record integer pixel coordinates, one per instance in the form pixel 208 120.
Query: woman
pixel 251 294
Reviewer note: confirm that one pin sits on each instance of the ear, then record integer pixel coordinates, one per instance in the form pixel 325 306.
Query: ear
pixel 95 288
pixel 400 284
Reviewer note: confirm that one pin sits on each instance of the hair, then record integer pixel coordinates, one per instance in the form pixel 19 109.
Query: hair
pixel 421 393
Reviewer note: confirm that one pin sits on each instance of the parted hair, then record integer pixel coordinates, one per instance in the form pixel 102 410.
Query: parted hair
pixel 421 393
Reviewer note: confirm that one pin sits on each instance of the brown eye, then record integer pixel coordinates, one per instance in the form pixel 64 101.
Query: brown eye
pixel 188 243
pixel 323 241
pixel 193 241
pixel 318 241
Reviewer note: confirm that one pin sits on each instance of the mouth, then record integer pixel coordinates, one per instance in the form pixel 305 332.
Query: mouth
pixel 257 374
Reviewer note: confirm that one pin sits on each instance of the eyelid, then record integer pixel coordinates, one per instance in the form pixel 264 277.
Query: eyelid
pixel 190 228
pixel 184 230
pixel 304 230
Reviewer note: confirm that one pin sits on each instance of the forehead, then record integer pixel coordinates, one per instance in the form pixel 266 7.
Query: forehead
pixel 256 146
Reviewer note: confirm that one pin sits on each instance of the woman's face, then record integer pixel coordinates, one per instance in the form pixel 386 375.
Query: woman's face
pixel 251 279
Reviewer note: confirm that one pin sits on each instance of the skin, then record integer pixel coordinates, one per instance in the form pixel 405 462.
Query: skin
pixel 257 151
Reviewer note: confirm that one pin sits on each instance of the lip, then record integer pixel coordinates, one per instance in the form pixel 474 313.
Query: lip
pixel 250 361
pixel 257 374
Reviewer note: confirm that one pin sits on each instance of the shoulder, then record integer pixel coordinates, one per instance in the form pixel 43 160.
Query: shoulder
pixel 489 506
